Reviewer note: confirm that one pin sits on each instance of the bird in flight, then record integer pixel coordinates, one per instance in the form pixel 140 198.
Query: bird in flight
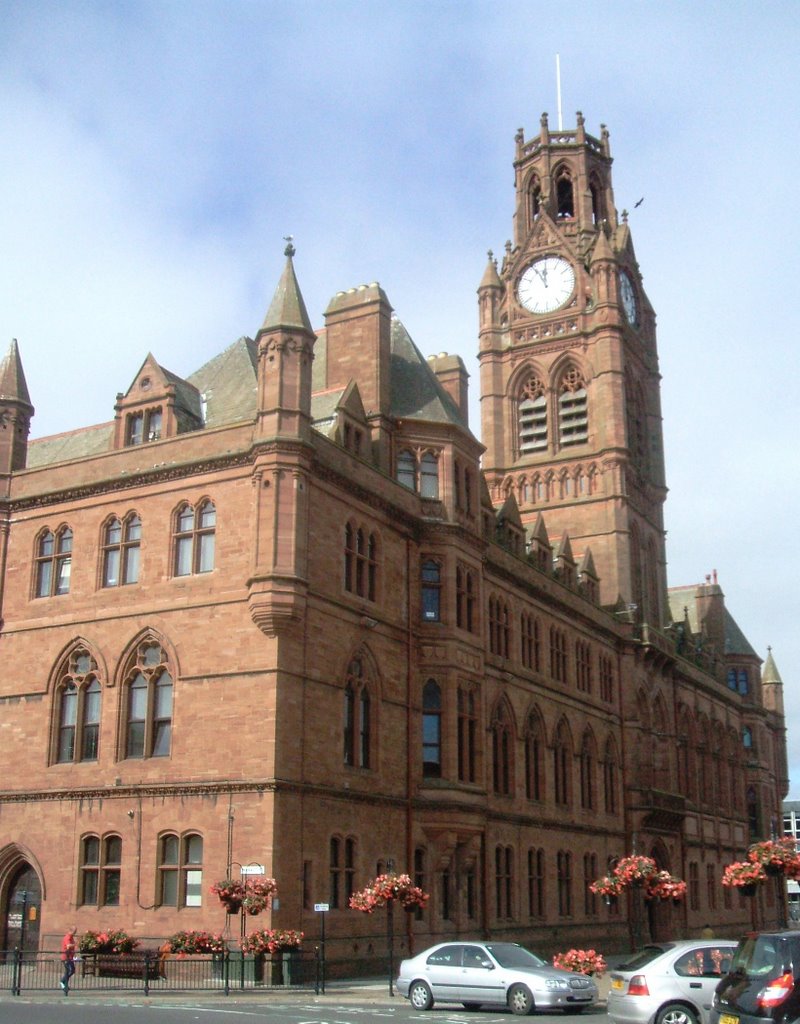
pixel 635 205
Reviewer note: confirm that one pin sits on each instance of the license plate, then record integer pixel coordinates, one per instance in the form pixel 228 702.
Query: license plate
pixel 728 1018
pixel 618 983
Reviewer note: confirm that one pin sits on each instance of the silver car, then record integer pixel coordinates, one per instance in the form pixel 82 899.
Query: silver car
pixel 491 973
pixel 669 982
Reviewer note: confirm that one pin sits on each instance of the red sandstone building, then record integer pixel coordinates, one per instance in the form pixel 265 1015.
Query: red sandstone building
pixel 290 611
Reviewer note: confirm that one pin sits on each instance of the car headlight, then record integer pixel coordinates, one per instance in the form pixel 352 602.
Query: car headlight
pixel 557 983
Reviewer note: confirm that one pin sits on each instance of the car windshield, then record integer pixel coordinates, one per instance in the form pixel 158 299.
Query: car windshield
pixel 760 956
pixel 643 958
pixel 509 954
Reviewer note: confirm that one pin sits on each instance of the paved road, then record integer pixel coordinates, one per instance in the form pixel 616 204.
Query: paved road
pixel 360 1007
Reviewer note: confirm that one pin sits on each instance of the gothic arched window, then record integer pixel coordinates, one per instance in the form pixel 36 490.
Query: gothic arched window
pixel 534 759
pixel 502 751
pixel 357 716
pixel 148 703
pixel 121 547
pixel 562 765
pixel 77 698
pixel 195 531
pixel 53 563
pixel 564 194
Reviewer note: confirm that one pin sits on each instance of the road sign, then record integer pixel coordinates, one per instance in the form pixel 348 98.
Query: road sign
pixel 253 869
pixel 322 907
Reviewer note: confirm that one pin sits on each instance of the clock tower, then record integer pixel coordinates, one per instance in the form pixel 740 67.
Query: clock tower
pixel 570 403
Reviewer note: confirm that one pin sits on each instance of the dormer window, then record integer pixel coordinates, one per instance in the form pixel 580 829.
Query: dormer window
pixel 143 427
pixel 419 472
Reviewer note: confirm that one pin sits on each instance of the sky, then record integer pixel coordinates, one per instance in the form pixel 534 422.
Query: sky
pixel 156 154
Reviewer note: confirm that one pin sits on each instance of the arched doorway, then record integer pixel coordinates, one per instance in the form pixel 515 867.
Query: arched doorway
pixel 660 912
pixel 22 910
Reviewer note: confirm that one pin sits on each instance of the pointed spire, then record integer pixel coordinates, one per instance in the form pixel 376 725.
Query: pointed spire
pixel 491 279
pixel 13 386
pixel 770 673
pixel 287 308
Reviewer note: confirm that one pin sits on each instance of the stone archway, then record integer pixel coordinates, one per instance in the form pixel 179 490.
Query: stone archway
pixel 21 910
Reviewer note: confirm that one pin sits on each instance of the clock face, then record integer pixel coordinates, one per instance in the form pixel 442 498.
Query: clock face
pixel 628 295
pixel 546 284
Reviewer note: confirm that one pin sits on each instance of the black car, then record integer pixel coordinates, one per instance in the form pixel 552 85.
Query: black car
pixel 763 983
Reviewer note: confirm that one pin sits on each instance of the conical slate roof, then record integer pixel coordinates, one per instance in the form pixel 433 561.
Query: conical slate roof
pixel 13 386
pixel 287 308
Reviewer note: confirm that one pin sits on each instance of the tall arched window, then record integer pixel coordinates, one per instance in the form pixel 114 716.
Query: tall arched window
pixel 562 765
pixel 587 767
pixel 502 751
pixel 148 693
pixel 100 869
pixel 360 561
pixel 357 716
pixel 53 563
pixel 407 469
pixel 180 867
pixel 533 416
pixel 610 777
pixel 121 546
pixel 195 532
pixel 467 734
pixel 77 697
pixel 534 759
pixel 431 591
pixel 432 730
pixel 429 476
pixel 534 197
pixel 573 413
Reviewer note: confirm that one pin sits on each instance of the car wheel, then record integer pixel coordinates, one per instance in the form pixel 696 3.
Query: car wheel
pixel 419 996
pixel 675 1013
pixel 471 1006
pixel 520 1000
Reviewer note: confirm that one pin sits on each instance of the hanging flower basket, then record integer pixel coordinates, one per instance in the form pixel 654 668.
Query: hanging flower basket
pixel 642 873
pixel 744 875
pixel 387 888
pixel 776 856
pixel 253 895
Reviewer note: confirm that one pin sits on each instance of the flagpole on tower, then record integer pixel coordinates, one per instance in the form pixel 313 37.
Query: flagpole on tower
pixel 558 91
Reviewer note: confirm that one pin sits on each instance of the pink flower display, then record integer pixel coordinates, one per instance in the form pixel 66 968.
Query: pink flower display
pixel 384 889
pixel 581 961
pixel 270 940
pixel 640 871
pixel 743 873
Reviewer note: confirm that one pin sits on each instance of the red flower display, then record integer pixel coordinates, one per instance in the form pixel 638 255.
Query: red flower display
pixel 743 873
pixel 641 871
pixel 270 940
pixel 581 961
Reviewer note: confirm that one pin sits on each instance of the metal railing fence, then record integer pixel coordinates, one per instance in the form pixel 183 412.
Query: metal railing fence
pixel 149 972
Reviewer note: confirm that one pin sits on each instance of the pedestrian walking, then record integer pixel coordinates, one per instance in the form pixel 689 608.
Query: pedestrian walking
pixel 69 947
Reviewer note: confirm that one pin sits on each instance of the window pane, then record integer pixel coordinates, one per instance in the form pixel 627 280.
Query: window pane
pixel 44 576
pixel 114 532
pixel 89 894
pixel 205 560
pixel 135 740
pixel 186 520
pixel 112 889
pixel 138 699
pixel 169 888
pixel 111 570
pixel 161 739
pixel 194 850
pixel 66 744
pixel 208 516
pixel 91 734
pixel 63 569
pixel 91 850
pixel 183 556
pixel 131 574
pixel 133 529
pixel 194 888
pixel 429 477
pixel 163 707
pixel 113 850
pixel 169 850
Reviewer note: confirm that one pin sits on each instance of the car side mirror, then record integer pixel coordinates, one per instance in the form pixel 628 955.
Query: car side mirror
pixel 488 965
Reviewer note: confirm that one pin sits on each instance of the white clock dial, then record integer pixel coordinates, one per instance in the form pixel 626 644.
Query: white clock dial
pixel 546 284
pixel 628 295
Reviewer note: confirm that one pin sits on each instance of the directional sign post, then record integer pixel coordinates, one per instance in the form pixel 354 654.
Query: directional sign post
pixel 322 909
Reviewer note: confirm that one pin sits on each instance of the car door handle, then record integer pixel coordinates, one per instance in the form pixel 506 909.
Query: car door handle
pixel 695 984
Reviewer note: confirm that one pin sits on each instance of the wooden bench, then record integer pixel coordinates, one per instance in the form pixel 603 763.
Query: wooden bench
pixel 123 965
